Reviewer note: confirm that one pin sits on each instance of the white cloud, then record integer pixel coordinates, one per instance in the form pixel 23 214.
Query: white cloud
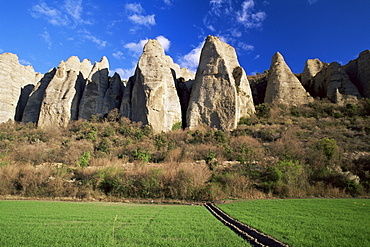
pixel 24 62
pixel 125 74
pixel 248 17
pixel 1 50
pixel 137 48
pixel 134 7
pixel 257 57
pixel 69 12
pixel 312 1
pixel 146 20
pixel 191 60
pixel 245 46
pixel 136 15
pixel 118 55
pixel 168 2
pixel 47 39
pixel 166 43
pixel 85 34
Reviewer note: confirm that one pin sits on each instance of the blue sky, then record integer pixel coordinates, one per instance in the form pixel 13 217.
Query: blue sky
pixel 44 32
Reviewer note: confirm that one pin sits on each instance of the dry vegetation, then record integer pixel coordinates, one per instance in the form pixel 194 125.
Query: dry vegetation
pixel 316 150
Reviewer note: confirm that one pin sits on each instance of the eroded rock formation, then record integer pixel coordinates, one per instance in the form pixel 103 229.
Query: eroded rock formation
pixel 283 87
pixel 221 93
pixel 92 100
pixel 154 100
pixel 359 73
pixel 16 83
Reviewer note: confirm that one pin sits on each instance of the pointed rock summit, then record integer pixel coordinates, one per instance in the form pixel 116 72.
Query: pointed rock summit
pixel 92 100
pixel 313 66
pixel 16 83
pixel 221 94
pixel 283 87
pixel 153 100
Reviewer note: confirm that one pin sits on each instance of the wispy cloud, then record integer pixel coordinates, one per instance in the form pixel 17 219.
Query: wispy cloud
pixel 69 14
pixel 136 14
pixel 125 74
pixel 248 17
pixel 86 35
pixel 24 62
pixel 310 2
pixel 1 50
pixel 191 60
pixel 47 39
pixel 137 48
pixel 118 55
pixel 168 2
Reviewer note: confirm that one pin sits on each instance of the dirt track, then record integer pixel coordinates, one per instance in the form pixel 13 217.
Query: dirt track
pixel 250 234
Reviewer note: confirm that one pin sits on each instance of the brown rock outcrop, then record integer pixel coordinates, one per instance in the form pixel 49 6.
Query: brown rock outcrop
pixel 313 66
pixel 283 87
pixel 221 94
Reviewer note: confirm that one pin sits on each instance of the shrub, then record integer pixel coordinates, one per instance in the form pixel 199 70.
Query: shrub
pixel 85 159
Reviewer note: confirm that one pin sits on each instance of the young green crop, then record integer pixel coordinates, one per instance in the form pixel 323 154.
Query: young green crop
pixel 41 223
pixel 308 222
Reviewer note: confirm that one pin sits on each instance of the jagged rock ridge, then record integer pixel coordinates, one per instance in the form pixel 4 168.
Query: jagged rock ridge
pixel 161 94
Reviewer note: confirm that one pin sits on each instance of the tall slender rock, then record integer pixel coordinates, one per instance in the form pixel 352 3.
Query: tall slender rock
pixel 93 96
pixel 221 93
pixel 359 73
pixel 33 107
pixel 154 100
pixel 16 83
pixel 283 87
pixel 113 95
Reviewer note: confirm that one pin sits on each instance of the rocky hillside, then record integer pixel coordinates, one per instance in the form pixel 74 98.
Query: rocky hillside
pixel 162 95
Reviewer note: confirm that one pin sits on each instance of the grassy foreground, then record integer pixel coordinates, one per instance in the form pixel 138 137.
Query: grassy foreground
pixel 308 222
pixel 45 223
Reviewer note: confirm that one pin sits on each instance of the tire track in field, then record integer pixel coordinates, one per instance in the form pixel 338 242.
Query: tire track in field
pixel 250 234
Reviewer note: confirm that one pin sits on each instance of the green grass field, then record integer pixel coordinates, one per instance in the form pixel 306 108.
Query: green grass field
pixel 308 222
pixel 45 223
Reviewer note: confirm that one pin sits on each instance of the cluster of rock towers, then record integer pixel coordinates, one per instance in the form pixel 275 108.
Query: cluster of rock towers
pixel 160 94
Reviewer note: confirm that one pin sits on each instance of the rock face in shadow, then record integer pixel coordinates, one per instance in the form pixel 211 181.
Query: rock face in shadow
pixel 283 87
pixel 221 94
pixel 32 110
pixel 154 100
pixel 333 83
pixel 113 95
pixel 92 100
pixel 16 83
pixel 358 71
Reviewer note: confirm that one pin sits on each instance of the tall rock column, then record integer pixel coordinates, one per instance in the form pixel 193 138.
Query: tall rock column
pixel 154 100
pixel 359 73
pixel 14 79
pixel 283 87
pixel 93 96
pixel 57 107
pixel 221 93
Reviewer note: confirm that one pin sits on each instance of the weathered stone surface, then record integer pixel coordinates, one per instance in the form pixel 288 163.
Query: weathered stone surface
pixel 113 96
pixel 16 82
pixel 154 98
pixel 93 96
pixel 57 103
pixel 359 73
pixel 33 107
pixel 333 83
pixel 313 66
pixel 283 87
pixel 126 105
pixel 221 94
